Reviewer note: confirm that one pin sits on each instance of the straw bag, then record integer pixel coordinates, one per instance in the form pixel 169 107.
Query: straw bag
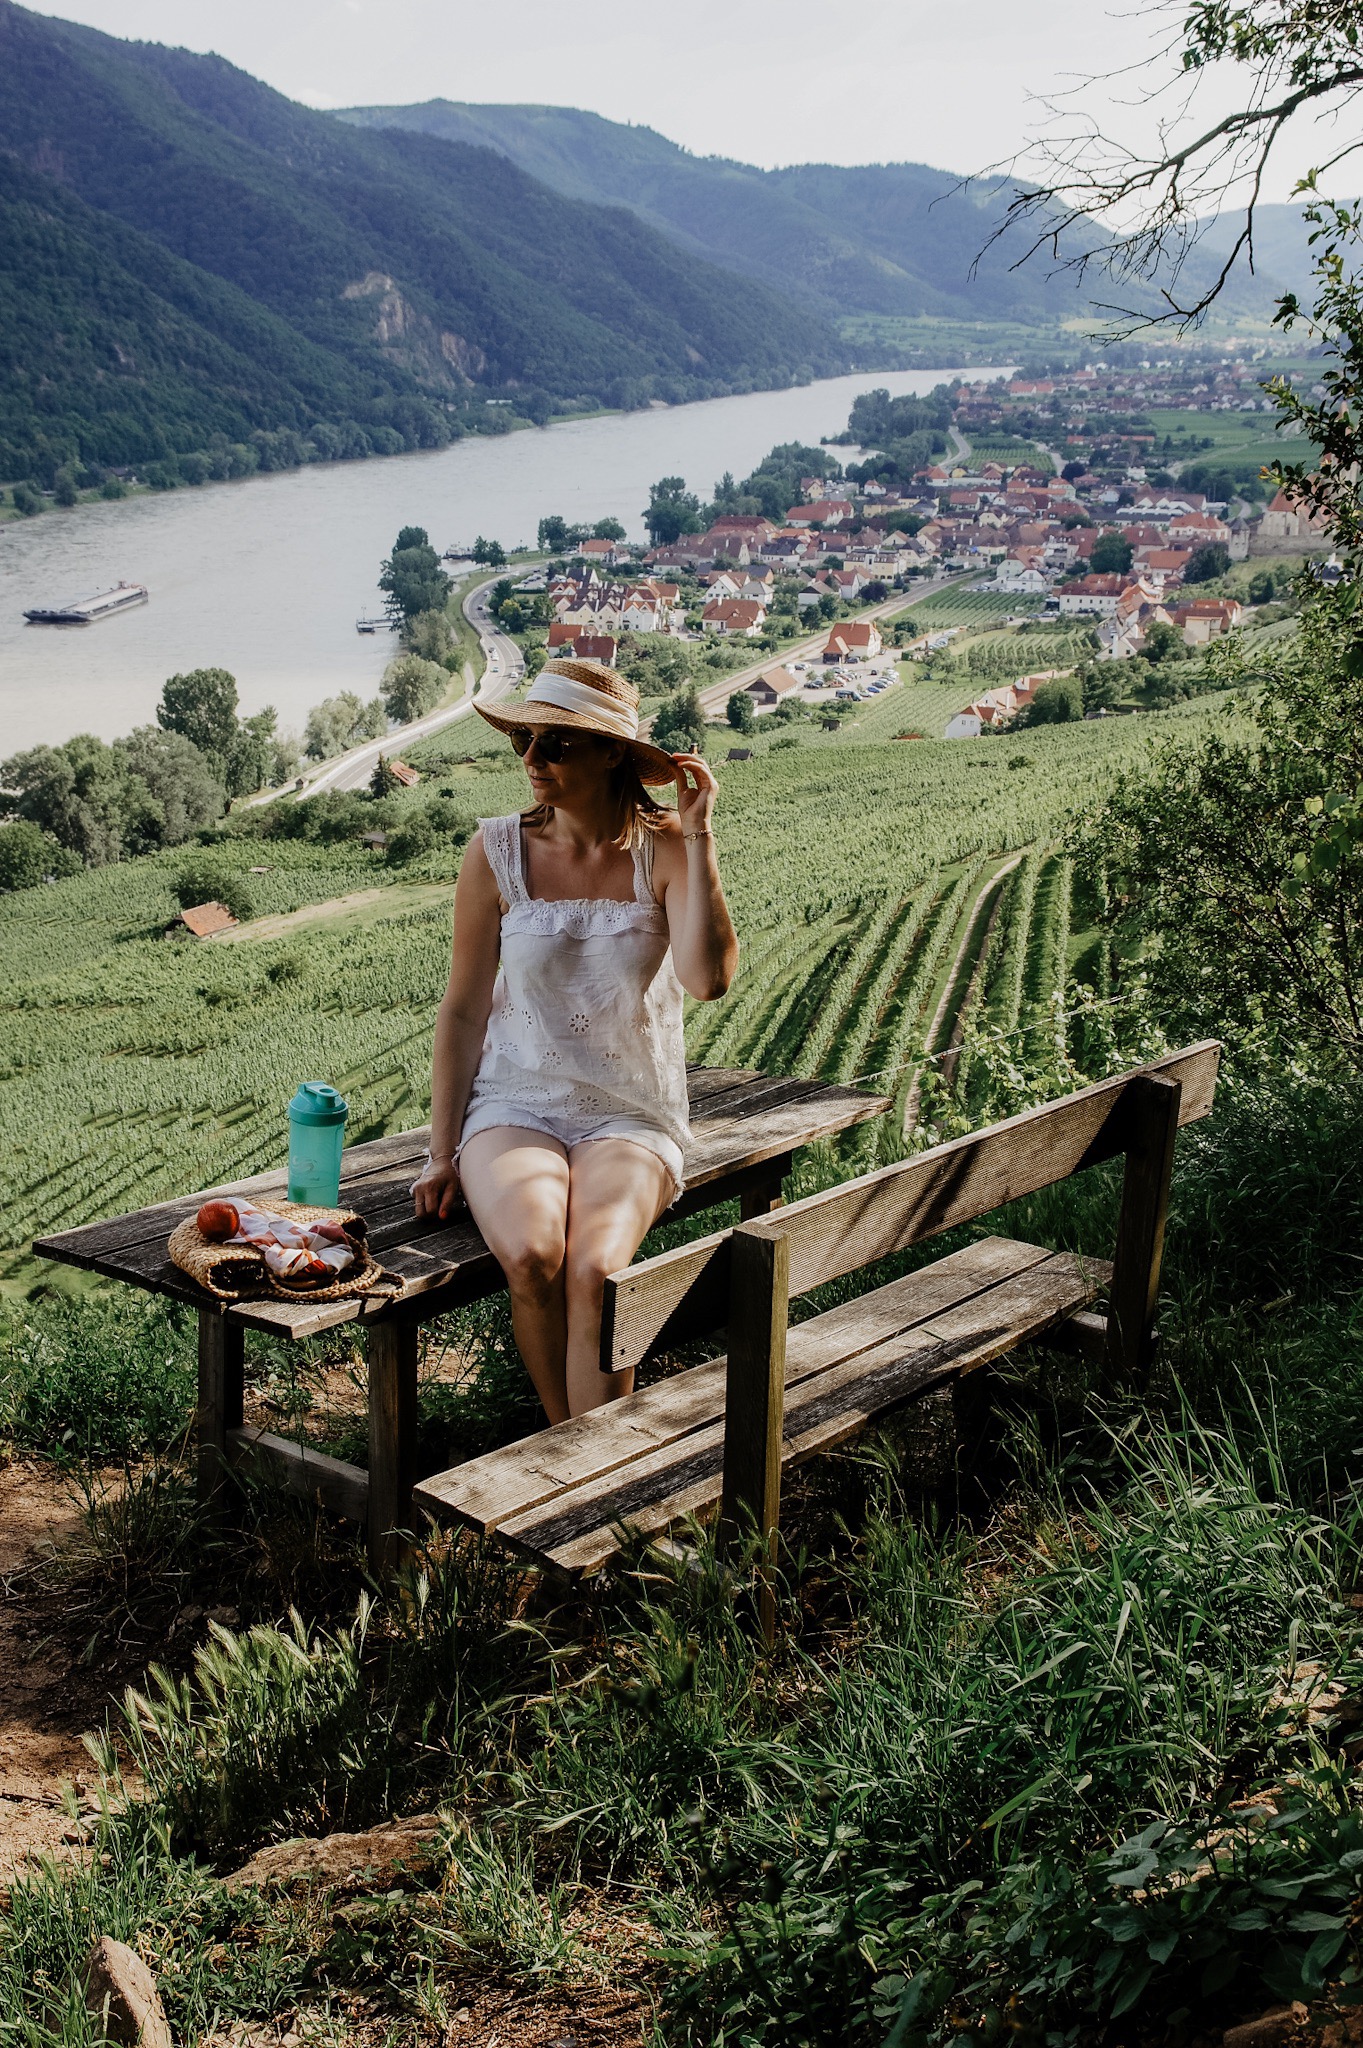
pixel 238 1272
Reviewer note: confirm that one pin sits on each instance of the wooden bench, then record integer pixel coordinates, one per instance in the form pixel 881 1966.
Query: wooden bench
pixel 569 1497
pixel 746 1128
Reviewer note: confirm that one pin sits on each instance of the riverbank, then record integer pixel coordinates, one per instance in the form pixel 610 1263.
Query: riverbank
pixel 265 576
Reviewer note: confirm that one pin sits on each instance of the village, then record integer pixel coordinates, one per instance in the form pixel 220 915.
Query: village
pixel 1085 524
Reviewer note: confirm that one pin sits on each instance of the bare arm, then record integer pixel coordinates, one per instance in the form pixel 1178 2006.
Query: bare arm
pixel 460 1025
pixel 704 944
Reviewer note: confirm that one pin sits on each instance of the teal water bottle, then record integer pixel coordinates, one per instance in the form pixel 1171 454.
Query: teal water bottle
pixel 316 1134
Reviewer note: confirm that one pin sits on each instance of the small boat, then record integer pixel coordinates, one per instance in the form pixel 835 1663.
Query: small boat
pixel 371 625
pixel 83 611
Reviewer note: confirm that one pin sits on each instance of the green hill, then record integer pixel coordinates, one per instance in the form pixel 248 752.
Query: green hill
pixel 896 239
pixel 189 255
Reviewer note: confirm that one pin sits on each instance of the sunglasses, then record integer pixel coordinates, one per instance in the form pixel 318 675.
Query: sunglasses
pixel 552 745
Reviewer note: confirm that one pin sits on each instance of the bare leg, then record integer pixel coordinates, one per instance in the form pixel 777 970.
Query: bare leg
pixel 617 1191
pixel 516 1185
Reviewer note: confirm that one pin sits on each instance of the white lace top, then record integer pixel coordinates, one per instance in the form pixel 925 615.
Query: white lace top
pixel 586 1021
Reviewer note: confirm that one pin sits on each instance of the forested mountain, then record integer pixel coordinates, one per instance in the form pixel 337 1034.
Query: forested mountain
pixel 188 258
pixel 875 238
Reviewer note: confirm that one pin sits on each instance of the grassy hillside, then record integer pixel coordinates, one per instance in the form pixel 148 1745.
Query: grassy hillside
pixel 882 239
pixel 382 280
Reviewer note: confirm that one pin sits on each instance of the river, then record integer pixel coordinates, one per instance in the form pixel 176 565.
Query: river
pixel 267 576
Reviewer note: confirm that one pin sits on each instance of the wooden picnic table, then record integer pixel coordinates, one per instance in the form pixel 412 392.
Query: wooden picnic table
pixel 746 1128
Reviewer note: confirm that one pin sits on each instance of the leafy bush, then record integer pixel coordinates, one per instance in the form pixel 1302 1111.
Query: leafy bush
pixel 96 1379
pixel 209 880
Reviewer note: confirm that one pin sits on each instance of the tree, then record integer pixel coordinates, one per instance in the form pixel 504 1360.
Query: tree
pixel 1207 562
pixel 210 879
pixel 552 535
pixel 1162 641
pixel 490 552
pixel 202 706
pixel 1112 554
pixel 608 529
pixel 679 724
pixel 874 592
pixel 257 759
pixel 1234 867
pixel 103 803
pixel 740 713
pixel 412 578
pixel 1099 685
pixel 1263 587
pixel 64 488
pixel 1055 702
pixel 412 687
pixel 29 856
pixel 672 511
pixel 1099 205
pixel 383 782
pixel 332 725
pixel 182 782
pixel 430 635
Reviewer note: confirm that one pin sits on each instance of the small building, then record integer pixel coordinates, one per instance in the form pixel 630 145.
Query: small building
pixel 772 687
pixel 853 640
pixel 966 725
pixel 739 754
pixel 734 617
pixel 404 774
pixel 596 647
pixel 201 921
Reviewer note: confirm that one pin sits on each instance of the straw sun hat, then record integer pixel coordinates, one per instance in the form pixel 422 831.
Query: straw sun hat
pixel 581 695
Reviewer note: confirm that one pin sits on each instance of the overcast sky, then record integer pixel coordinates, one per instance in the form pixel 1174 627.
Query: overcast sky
pixel 949 85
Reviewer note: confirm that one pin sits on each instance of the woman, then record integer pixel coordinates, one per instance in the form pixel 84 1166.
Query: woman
pixel 558 1098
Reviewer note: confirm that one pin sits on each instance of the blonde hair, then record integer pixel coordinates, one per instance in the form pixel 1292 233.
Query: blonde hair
pixel 639 812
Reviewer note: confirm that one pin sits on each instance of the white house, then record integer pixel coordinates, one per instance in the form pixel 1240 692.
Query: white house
pixel 966 725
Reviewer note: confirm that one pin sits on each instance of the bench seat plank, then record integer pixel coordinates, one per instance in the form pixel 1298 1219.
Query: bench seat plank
pixel 490 1490
pixel 584 1529
pixel 658 1455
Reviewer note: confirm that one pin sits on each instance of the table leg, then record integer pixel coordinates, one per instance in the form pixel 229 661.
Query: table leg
pixel 221 1380
pixel 765 1195
pixel 392 1436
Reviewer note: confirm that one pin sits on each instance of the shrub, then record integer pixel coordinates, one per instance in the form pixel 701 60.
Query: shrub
pixel 212 881
pixel 29 856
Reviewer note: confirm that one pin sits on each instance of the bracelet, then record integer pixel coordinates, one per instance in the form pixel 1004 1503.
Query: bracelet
pixel 431 1157
pixel 705 834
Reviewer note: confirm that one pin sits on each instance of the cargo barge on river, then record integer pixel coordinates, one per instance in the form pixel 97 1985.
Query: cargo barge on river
pixel 83 611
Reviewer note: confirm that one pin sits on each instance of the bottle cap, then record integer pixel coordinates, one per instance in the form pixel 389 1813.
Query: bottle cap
pixel 317 1102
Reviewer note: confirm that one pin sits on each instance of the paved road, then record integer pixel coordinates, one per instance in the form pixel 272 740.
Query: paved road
pixel 715 696
pixel 502 670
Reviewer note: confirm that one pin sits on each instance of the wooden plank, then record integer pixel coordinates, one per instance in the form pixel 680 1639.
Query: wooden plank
pixel 392 1437
pixel 342 1488
pixel 221 1388
pixel 682 1293
pixel 578 1532
pixel 1155 1106
pixel 754 1403
pixel 487 1491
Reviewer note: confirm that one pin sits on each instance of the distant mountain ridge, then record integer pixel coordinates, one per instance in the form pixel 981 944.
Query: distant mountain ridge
pixel 890 238
pixel 186 254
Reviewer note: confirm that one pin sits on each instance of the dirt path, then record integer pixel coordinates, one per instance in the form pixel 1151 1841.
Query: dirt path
pixel 41 1712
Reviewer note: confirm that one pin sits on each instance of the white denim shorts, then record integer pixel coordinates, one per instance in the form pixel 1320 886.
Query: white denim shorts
pixel 570 1131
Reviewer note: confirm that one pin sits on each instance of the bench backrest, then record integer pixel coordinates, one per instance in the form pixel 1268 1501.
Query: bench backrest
pixel 685 1293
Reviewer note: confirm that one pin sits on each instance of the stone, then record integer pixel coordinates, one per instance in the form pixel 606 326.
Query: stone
pixel 1270 2030
pixel 379 1853
pixel 122 1998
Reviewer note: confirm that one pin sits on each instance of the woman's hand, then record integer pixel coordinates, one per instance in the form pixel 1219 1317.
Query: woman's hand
pixel 436 1191
pixel 696 792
